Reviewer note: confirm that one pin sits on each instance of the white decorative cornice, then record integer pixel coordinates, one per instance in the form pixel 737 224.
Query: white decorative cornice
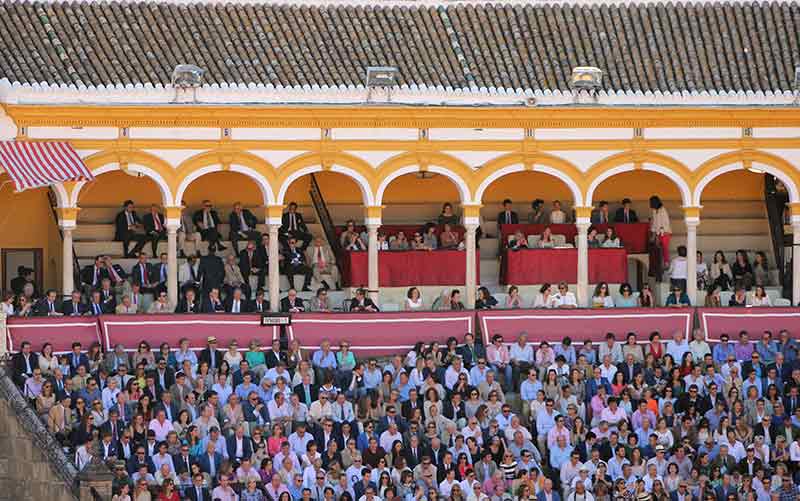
pixel 421 95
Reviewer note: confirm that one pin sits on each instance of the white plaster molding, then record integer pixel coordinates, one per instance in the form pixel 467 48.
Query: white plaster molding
pixel 794 195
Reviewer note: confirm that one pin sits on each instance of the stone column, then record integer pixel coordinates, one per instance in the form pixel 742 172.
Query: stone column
pixel 692 219
pixel 173 217
pixel 471 224
pixel 582 222
pixel 273 213
pixel 373 221
pixel 67 222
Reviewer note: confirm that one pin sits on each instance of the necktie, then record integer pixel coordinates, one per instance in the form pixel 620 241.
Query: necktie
pixel 130 218
pixel 142 271
pixel 199 494
pixel 236 306
pixel 292 225
pixel 163 273
pixel 96 275
pixel 626 216
pixel 213 359
pixel 243 222
pixel 192 274
pixel 320 258
pixel 136 299
pixel 52 308
pixel 157 220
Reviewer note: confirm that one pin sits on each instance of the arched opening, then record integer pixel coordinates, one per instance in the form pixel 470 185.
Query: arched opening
pixel 417 198
pixel 733 218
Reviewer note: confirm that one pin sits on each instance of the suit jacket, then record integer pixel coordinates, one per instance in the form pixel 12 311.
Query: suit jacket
pixel 121 225
pixel 301 394
pixel 120 273
pixel 244 305
pixel 247 447
pixel 208 307
pixel 109 299
pixel 261 258
pixel 591 388
pixel 299 222
pixel 139 270
pixel 212 271
pixel 197 219
pixel 133 464
pixel 555 495
pixel 625 370
pixel 354 305
pixel 408 407
pixel 480 472
pixel 298 303
pixel 502 219
pixel 236 224
pixel 87 276
pixel 205 356
pixel 595 218
pixel 471 356
pixel 69 309
pixel 191 494
pixel 42 309
pixel 787 404
pixel 149 222
pixel 619 216
pixel 742 466
pixel 327 255
pixel 183 306
pixel 82 360
pixel 116 433
pixel 748 367
pixel 20 367
pixel 104 309
pixel 180 463
pixel 246 263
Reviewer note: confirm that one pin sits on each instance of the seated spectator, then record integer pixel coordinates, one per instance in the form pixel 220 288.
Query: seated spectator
pixel 557 216
pixel 739 298
pixel 321 302
pixel 600 215
pixel 161 304
pixel 611 240
pixel 518 241
pixel 702 272
pixel 601 297
pixel 383 244
pixel 721 274
pixel 354 243
pixel 447 216
pixel 760 297
pixel 455 301
pixel 485 300
pixel 627 299
pixel 449 238
pixel 626 214
pixel 429 239
pixel 291 303
pixel 546 240
pixel 591 238
pixel 417 243
pixel 544 299
pixel 742 270
pixel 413 300
pixel 646 298
pixel 713 299
pixel 349 230
pixel 564 298
pixel 513 300
pixel 400 242
pixel 363 304
pixel 678 299
pixel 538 215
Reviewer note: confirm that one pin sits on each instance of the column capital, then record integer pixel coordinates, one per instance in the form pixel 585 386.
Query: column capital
pixel 471 227
pixel 692 212
pixel 373 214
pixel 794 212
pixel 472 214
pixel 582 212
pixel 173 212
pixel 273 214
pixel 67 217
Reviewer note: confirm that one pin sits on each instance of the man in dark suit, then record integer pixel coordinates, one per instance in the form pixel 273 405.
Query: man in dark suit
pixel 629 369
pixel 183 461
pixel 291 303
pixel 207 222
pixel 275 356
pixel 362 304
pixel 791 401
pixel 294 263
pixel 749 464
pixel 212 271
pixel 24 275
pixel 594 383
pixel 238 442
pixel 600 216
pixel 548 493
pixel 138 459
pixel 160 274
pixel 262 260
pixel 76 358
pixel 409 406
pixel 754 364
pixel 471 352
pixel 247 262
pixel 259 304
pixel 210 354
pixel 92 275
pixel 236 303
pixel 188 303
pixel 47 305
pixel 155 227
pixel 142 273
pixel 243 226
pixel 128 227
pixel 507 216
pixel 212 302
pixel 115 273
pixel 74 307
pixel 96 305
pixel 24 363
pixel 197 492
pixel 307 393
pixel 625 214
pixel 113 426
pixel 293 226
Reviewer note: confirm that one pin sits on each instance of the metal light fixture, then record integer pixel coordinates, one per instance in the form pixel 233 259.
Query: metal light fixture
pixel 381 77
pixel 586 78
pixel 749 167
pixel 187 77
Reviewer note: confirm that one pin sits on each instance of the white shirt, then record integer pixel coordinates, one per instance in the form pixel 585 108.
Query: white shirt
pixel 558 300
pixel 557 217
pixel 678 269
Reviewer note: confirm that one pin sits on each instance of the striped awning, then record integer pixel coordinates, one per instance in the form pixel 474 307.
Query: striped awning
pixel 36 164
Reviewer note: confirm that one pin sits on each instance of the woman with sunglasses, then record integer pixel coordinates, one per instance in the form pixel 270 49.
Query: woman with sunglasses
pixel 144 354
pixel 602 297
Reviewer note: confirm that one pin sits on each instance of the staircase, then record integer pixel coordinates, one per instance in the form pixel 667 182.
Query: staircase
pixel 776 200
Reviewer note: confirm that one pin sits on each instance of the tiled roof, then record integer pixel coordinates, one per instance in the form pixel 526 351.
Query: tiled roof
pixel 641 47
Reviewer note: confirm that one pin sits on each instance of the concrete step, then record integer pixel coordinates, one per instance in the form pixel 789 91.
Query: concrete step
pixel 725 226
pixel 726 243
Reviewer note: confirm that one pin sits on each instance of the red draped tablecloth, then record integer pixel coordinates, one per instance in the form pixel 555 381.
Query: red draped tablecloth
pixel 406 268
pixel 537 266
pixel 634 236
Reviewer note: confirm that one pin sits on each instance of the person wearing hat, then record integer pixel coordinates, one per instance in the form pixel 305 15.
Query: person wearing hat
pixel 625 214
pixel 210 354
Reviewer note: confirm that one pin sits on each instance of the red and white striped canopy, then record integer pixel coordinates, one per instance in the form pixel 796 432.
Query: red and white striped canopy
pixel 36 164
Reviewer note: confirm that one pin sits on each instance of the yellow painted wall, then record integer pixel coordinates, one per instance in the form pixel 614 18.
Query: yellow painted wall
pixel 26 222
pixel 113 188
pixel 636 185
pixel 336 189
pixel 736 185
pixel 223 188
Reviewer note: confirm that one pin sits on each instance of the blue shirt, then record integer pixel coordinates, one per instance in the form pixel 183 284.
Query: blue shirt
pixel 528 390
pixel 476 376
pixel 767 351
pixel 545 421
pixel 559 456
pixel 722 351
pixel 324 361
pixel 372 378
pixel 568 353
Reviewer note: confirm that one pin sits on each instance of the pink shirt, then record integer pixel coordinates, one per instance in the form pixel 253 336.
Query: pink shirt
pixel 497 355
pixel 554 433
pixel 545 356
pixel 161 429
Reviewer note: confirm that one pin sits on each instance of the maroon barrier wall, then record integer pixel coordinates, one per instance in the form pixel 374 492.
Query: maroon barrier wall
pixel 581 324
pixel 60 331
pixel 716 321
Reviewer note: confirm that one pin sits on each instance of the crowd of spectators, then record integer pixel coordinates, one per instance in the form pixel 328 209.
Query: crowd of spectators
pixel 651 420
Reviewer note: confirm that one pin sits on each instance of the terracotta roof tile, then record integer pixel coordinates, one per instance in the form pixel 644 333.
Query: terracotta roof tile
pixel 668 47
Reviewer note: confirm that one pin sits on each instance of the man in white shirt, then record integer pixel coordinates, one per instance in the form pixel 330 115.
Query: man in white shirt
pixel 160 425
pixel 557 216
pixel 223 491
pixel 677 347
pixel 563 298
pixel 452 372
pixel 521 354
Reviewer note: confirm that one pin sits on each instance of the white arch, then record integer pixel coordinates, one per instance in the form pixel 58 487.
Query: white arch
pixel 794 196
pixel 602 177
pixel 261 181
pixel 461 185
pixel 166 193
pixel 194 175
pixel 292 178
pixel 361 181
pixel 62 198
pixel 577 197
pixel 686 196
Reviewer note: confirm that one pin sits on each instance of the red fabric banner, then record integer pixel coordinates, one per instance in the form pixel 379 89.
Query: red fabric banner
pixel 409 268
pixel 580 324
pixel 718 321
pixel 61 332
pixel 157 329
pixel 538 266
pixel 634 236
pixel 379 333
